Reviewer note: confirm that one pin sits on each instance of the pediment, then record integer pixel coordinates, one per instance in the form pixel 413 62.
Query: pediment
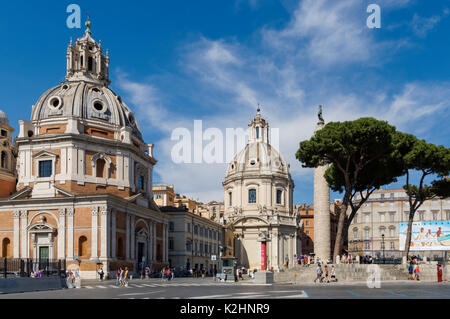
pixel 41 227
pixel 45 154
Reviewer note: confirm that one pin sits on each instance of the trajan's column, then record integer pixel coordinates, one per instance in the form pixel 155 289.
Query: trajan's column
pixel 322 224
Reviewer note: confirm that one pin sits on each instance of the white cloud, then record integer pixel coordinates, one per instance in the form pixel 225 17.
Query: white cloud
pixel 421 25
pixel 281 73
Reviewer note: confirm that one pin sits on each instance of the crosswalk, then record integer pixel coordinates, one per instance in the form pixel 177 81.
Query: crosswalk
pixel 153 285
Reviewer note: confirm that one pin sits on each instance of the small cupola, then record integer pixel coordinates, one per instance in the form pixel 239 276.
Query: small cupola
pixel 259 129
pixel 85 60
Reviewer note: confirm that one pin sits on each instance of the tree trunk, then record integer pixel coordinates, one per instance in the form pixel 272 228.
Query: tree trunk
pixel 340 232
pixel 408 235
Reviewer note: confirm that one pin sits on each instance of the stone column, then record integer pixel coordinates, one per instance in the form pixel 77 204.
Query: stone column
pixel 166 246
pixel 164 243
pixel 322 224
pixel 24 239
pixel 51 250
pixel 16 234
pixel 127 237
pixel 94 229
pixel 62 234
pixel 149 244
pixel 132 237
pixel 70 213
pixel 113 233
pixel 154 241
pixel 105 237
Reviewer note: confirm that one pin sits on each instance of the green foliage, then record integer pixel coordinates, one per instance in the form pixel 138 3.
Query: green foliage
pixel 366 153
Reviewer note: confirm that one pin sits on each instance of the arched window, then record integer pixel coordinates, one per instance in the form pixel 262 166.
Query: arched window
pixel 120 248
pixel 257 132
pixel 81 59
pixel 6 248
pixel 252 196
pixel 100 167
pixel 82 246
pixel 90 64
pixel 4 160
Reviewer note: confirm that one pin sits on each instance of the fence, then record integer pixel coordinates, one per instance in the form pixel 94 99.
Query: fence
pixel 14 268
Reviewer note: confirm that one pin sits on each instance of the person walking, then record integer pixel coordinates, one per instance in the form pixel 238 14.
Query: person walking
pixel 286 259
pixel 318 273
pixel 327 279
pixel 411 271
pixel 101 273
pixel 125 277
pixel 119 272
pixel 417 272
pixel 168 274
pixel 333 274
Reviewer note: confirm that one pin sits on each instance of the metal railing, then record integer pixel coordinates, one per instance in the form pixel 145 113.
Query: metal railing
pixel 15 268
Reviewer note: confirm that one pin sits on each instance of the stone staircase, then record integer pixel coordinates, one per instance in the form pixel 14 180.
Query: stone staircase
pixel 357 273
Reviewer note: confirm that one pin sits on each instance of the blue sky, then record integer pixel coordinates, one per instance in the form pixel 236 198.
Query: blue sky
pixel 174 62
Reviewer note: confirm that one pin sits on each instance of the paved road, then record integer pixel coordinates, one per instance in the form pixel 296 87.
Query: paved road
pixel 189 288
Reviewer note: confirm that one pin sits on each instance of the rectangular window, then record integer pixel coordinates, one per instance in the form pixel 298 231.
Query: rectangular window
pixel 366 218
pixel 171 244
pixel 189 227
pixel 367 245
pixel 435 215
pixel 366 234
pixel 392 217
pixel 392 245
pixel 45 168
pixel 279 196
pixel 141 183
pixel 382 195
pixel 252 196
pixel 382 219
pixel 307 233
pixel 392 232
pixel 355 234
pixel 307 223
pixel 171 226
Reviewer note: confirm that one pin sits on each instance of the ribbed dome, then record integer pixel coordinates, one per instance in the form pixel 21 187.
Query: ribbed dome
pixel 87 101
pixel 3 118
pixel 258 158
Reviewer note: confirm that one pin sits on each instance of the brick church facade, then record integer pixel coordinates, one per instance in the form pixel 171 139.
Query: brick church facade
pixel 77 183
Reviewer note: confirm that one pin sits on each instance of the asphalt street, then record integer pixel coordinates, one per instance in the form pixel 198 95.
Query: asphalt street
pixel 194 288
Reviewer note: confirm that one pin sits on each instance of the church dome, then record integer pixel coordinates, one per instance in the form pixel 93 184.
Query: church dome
pixel 85 94
pixel 91 101
pixel 3 118
pixel 258 157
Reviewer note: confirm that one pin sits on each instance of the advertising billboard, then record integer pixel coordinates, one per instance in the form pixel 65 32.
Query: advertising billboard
pixel 433 235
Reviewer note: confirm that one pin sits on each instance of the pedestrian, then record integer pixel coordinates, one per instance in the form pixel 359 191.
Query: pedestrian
pixel 203 273
pixel 101 273
pixel 327 279
pixel 122 277
pixel 125 277
pixel 411 271
pixel 240 275
pixel 333 274
pixel 119 272
pixel 168 274
pixel 286 259
pixel 163 274
pixel 318 273
pixel 417 272
pixel 147 273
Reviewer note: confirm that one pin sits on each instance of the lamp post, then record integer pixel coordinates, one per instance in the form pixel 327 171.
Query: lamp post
pixel 382 237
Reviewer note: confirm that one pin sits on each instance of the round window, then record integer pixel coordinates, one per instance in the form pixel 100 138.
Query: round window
pixel 55 102
pixel 98 106
pixel 65 87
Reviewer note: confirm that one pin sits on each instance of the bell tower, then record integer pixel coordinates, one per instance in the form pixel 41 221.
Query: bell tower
pixel 85 60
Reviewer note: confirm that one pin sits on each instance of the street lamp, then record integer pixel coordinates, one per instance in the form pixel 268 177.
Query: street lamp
pixel 382 246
